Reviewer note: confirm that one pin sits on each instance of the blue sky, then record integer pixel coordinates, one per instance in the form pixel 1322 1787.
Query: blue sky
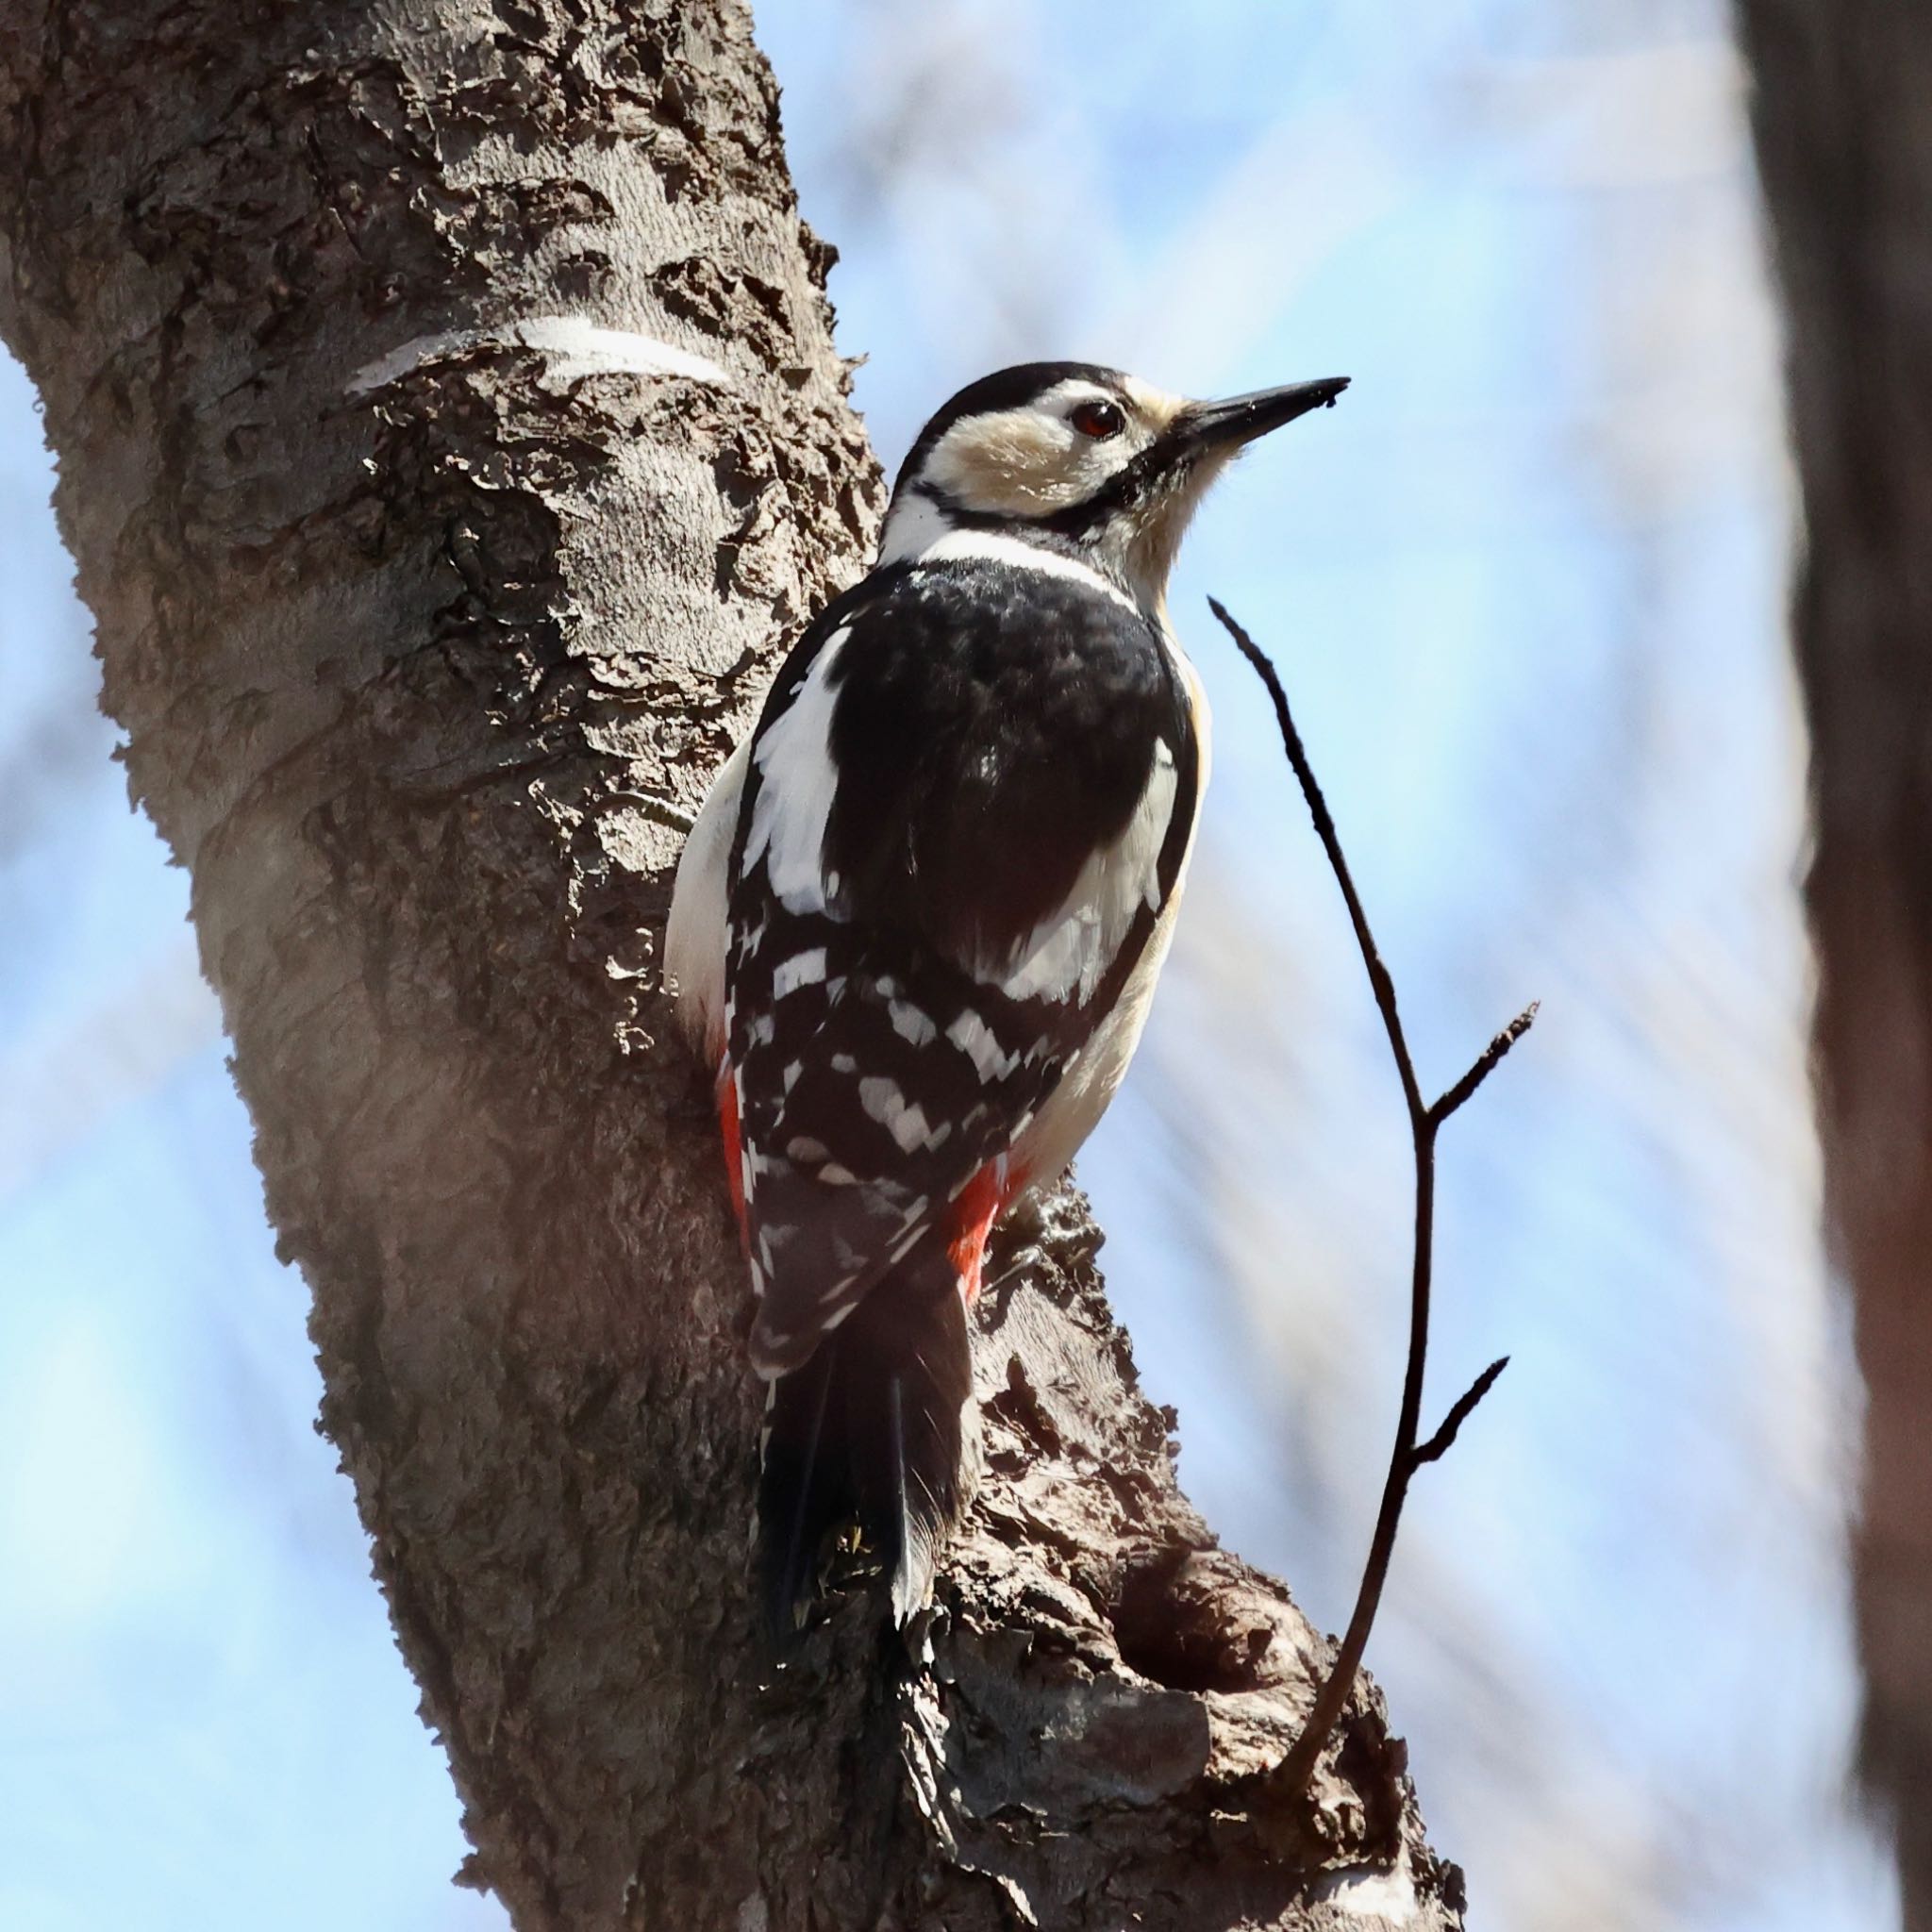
pixel 1526 587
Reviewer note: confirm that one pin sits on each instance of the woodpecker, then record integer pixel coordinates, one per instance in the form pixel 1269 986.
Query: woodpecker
pixel 917 925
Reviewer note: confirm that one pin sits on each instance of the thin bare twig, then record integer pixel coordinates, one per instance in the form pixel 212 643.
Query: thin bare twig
pixel 1443 1439
pixel 1486 1064
pixel 1425 1119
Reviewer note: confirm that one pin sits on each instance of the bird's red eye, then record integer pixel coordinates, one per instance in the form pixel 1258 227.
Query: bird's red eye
pixel 1098 418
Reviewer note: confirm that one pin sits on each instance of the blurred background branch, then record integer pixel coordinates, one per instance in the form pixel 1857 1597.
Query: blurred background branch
pixel 1843 111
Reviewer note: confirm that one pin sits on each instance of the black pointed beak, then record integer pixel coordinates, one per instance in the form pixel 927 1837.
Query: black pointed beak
pixel 1242 419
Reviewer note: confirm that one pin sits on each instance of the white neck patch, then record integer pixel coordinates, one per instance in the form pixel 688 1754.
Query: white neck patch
pixel 919 532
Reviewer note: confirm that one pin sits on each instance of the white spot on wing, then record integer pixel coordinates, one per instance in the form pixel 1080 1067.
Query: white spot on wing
pixel 802 968
pixel 909 1023
pixel 797 783
pixel 904 1120
pixel 974 1039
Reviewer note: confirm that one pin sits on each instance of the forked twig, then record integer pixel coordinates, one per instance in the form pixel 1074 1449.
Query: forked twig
pixel 1425 1121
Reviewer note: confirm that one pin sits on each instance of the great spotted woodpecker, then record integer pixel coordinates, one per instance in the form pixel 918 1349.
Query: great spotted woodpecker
pixel 917 925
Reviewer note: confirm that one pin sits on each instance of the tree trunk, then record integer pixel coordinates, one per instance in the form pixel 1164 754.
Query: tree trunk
pixel 1844 143
pixel 414 593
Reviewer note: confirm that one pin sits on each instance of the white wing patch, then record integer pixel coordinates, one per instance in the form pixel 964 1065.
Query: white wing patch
pixel 796 785
pixel 1066 956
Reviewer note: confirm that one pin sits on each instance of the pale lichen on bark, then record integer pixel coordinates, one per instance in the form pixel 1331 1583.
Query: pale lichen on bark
pixel 411 597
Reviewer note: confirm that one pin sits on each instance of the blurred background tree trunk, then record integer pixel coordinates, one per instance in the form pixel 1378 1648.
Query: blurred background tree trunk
pixel 450 429
pixel 1842 115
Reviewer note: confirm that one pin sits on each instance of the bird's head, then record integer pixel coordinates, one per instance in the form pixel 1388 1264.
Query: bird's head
pixel 1082 461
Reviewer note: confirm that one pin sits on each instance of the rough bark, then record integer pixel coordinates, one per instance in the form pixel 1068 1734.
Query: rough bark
pixel 1844 143
pixel 403 661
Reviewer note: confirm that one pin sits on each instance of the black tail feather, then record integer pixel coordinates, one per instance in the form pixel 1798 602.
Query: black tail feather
pixel 871 1430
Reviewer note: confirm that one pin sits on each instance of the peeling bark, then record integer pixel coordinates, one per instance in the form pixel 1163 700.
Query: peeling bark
pixel 410 609
pixel 1846 148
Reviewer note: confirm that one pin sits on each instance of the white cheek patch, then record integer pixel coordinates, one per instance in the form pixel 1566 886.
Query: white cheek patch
pixel 1031 461
pixel 797 783
pixel 1067 955
pixel 1015 464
